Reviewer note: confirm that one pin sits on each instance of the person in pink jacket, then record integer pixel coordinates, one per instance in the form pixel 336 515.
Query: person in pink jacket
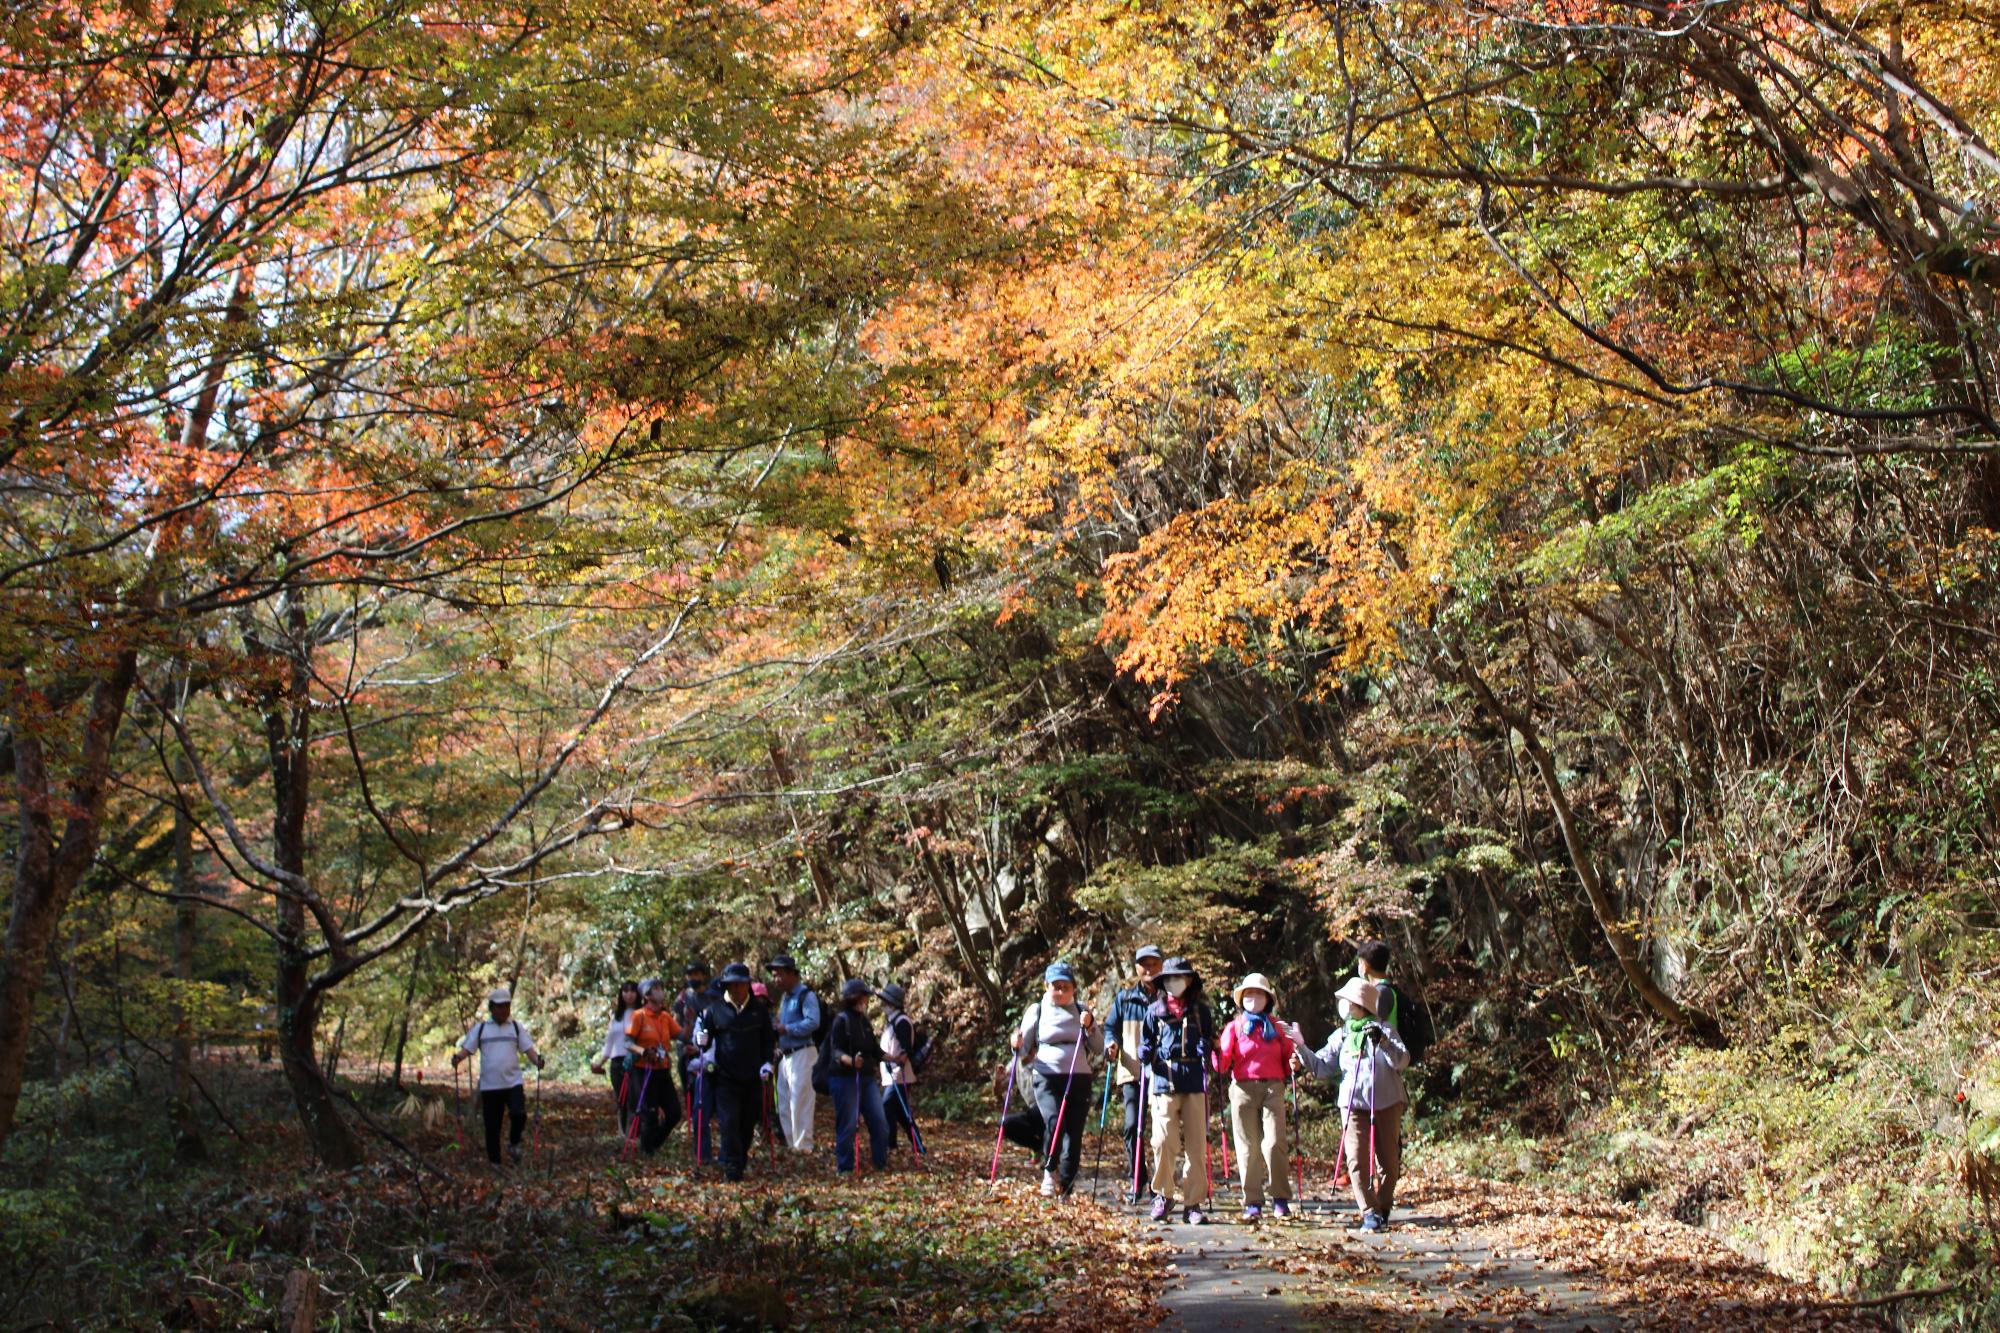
pixel 1255 1054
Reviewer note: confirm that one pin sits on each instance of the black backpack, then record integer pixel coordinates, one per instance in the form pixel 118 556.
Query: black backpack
pixel 823 1066
pixel 1412 1020
pixel 825 1019
pixel 919 1048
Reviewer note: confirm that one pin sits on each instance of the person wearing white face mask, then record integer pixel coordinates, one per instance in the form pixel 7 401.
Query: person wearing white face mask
pixel 1368 1057
pixel 1255 1053
pixel 1174 1048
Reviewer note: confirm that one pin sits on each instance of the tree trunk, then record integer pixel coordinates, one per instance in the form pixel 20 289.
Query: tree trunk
pixel 1623 946
pixel 403 1022
pixel 287 729
pixel 188 1145
pixel 47 867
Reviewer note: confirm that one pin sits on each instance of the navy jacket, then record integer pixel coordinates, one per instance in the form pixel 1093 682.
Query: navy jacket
pixel 742 1040
pixel 1176 1050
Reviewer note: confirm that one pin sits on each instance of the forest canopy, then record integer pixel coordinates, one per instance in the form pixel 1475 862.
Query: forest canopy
pixel 537 495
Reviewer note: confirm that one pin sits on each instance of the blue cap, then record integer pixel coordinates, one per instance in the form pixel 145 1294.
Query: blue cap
pixel 1059 972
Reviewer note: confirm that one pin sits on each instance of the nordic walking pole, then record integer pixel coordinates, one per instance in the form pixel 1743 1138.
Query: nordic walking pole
pixel 1298 1137
pixel 700 1098
pixel 916 1135
pixel 1374 1171
pixel 535 1140
pixel 457 1110
pixel 638 1113
pixel 764 1112
pixel 624 1085
pixel 1097 1172
pixel 1062 1107
pixel 1139 1134
pixel 1006 1104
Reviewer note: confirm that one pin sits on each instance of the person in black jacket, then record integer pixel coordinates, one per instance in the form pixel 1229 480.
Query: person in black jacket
pixel 855 1079
pixel 737 1044
pixel 1174 1047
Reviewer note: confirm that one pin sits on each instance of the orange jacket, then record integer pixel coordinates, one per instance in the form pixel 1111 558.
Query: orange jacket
pixel 652 1037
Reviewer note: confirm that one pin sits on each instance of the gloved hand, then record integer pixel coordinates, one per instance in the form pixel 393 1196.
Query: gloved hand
pixel 658 1055
pixel 1373 1032
pixel 764 1071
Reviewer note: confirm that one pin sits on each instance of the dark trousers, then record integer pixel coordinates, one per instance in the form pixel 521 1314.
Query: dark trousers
pixel 1135 1169
pixel 857 1096
pixel 622 1092
pixel 496 1102
pixel 657 1105
pixel 1062 1144
pixel 899 1105
pixel 737 1104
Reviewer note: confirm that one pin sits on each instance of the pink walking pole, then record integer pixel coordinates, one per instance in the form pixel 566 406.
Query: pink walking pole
pixel 1139 1134
pixel 1006 1104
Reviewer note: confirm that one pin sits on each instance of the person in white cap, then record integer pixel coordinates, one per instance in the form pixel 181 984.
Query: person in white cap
pixel 500 1042
pixel 1255 1054
pixel 1368 1056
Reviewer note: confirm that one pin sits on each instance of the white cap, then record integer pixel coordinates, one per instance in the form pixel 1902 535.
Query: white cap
pixel 500 995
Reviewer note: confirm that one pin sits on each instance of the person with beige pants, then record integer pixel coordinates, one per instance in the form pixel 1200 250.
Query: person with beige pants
pixel 1368 1057
pixel 1175 1045
pixel 1256 1054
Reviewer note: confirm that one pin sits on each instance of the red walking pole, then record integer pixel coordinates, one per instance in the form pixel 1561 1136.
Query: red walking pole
pixel 638 1112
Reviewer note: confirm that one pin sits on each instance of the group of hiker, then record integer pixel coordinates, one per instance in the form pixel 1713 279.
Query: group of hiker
pixel 746 1052
pixel 1166 1051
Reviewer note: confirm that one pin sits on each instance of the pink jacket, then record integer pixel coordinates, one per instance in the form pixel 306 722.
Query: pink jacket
pixel 1242 1056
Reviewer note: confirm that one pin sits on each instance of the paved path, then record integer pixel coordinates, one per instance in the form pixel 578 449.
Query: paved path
pixel 1472 1261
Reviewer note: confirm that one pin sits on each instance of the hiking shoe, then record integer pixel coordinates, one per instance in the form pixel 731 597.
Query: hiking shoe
pixel 1371 1221
pixel 1048 1184
pixel 1194 1217
pixel 1159 1213
pixel 1251 1212
pixel 1281 1208
pixel 514 1153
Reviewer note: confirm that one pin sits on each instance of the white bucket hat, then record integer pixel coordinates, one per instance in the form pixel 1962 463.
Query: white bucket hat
pixel 500 995
pixel 1255 981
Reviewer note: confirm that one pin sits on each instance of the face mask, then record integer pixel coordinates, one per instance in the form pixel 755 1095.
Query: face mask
pixel 1253 1004
pixel 1176 985
pixel 1346 1009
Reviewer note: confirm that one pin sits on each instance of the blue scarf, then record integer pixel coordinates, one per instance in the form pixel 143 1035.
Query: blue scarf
pixel 1259 1026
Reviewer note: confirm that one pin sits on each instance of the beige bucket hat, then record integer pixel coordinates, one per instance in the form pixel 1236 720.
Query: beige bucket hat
pixel 1363 995
pixel 1255 981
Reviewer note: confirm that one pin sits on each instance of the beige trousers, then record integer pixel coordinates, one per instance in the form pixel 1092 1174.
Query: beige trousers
pixel 1180 1135
pixel 1257 1119
pixel 1373 1194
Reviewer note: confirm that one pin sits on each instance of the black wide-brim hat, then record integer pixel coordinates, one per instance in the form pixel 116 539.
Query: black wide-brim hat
pixel 783 961
pixel 1176 967
pixel 736 972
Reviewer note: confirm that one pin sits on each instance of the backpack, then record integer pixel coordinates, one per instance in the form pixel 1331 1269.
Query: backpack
pixel 823 1066
pixel 825 1019
pixel 918 1049
pixel 1412 1020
